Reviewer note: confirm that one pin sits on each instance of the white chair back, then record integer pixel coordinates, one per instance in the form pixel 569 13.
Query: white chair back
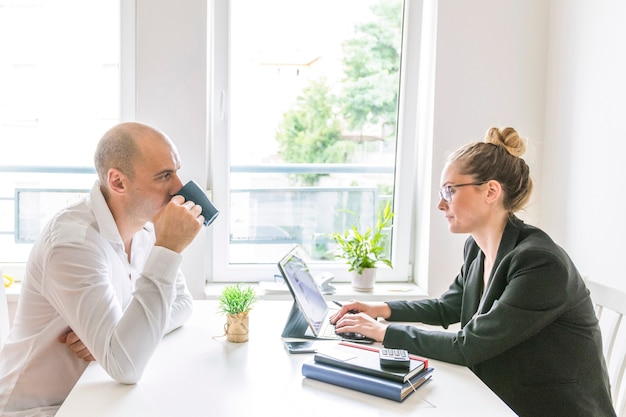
pixel 610 309
pixel 4 314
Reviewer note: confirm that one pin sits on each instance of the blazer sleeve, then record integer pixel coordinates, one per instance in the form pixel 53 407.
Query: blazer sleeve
pixel 527 292
pixel 440 312
pixel 447 308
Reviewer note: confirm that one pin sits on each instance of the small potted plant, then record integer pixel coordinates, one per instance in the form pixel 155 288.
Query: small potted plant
pixel 364 250
pixel 235 302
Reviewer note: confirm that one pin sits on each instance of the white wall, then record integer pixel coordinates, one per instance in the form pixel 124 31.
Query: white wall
pixel 555 70
pixel 171 83
pixel 490 71
pixel 583 188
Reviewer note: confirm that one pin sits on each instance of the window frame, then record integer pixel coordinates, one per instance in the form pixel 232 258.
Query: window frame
pixel 406 157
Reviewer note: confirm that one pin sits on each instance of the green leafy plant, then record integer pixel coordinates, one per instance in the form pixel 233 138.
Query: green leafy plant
pixel 236 299
pixel 365 249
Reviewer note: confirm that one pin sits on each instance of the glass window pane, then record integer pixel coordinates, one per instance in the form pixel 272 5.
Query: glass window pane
pixel 59 78
pixel 313 108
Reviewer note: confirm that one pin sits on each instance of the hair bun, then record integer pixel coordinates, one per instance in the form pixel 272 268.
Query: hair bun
pixel 508 138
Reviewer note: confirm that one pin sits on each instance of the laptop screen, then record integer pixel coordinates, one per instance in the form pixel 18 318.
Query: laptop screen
pixel 309 298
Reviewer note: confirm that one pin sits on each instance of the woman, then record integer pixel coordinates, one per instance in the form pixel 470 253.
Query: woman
pixel 528 327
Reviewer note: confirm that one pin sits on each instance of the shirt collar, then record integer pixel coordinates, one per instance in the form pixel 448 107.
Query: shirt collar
pixel 103 215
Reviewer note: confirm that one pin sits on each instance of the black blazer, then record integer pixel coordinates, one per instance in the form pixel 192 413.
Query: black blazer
pixel 532 337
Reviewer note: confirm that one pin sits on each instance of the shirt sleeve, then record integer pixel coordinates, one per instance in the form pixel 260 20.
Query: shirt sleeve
pixel 182 306
pixel 122 340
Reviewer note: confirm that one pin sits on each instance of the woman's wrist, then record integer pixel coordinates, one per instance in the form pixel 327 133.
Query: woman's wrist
pixel 383 310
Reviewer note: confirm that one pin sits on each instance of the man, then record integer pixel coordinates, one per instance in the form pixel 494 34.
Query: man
pixel 103 280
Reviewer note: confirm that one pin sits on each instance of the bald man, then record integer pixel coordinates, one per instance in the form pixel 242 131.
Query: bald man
pixel 103 281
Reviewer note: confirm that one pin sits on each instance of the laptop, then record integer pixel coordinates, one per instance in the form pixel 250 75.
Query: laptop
pixel 310 314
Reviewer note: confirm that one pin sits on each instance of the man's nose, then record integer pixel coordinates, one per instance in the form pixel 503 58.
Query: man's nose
pixel 177 185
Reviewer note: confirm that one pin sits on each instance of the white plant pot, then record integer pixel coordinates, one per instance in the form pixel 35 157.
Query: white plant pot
pixel 364 282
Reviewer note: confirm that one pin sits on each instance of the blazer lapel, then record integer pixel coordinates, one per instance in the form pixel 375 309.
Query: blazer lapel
pixel 473 290
pixel 497 282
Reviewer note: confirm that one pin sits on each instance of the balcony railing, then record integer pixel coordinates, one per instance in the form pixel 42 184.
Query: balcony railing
pixel 259 214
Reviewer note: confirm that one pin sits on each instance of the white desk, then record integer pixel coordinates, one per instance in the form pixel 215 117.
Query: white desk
pixel 195 372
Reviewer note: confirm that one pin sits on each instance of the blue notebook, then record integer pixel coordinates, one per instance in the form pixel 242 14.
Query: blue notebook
pixel 380 387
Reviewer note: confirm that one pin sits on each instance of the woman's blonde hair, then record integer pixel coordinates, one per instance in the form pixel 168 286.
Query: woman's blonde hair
pixel 498 158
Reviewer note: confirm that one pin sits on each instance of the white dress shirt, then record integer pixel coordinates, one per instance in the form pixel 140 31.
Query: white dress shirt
pixel 78 277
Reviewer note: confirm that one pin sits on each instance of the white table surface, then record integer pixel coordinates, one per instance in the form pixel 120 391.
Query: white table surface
pixel 196 372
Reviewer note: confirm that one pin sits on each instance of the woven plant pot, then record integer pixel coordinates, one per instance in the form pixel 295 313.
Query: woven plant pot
pixel 236 327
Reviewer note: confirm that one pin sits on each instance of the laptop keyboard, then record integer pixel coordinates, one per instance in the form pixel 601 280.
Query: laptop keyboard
pixel 329 333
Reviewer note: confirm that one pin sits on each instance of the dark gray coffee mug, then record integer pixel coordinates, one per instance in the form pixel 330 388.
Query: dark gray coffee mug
pixel 193 192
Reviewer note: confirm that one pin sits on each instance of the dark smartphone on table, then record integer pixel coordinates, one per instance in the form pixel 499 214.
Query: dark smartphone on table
pixel 300 346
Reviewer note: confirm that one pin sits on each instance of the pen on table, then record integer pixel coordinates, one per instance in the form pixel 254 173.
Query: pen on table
pixel 341 305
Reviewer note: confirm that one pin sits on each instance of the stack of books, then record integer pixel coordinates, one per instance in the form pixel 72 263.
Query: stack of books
pixel 357 367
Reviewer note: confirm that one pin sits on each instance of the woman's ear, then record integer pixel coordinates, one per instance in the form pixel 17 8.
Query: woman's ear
pixel 117 181
pixel 494 191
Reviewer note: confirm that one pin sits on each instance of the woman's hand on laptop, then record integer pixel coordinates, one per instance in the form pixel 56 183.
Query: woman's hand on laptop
pixel 359 317
pixel 363 324
pixel 374 310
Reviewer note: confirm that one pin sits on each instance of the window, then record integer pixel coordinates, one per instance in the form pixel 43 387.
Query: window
pixel 312 129
pixel 60 84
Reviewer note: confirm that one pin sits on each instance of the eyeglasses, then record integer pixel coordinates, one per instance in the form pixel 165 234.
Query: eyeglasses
pixel 446 191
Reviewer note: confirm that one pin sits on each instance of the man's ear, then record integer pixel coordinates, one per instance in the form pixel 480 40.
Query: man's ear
pixel 117 181
pixel 494 191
